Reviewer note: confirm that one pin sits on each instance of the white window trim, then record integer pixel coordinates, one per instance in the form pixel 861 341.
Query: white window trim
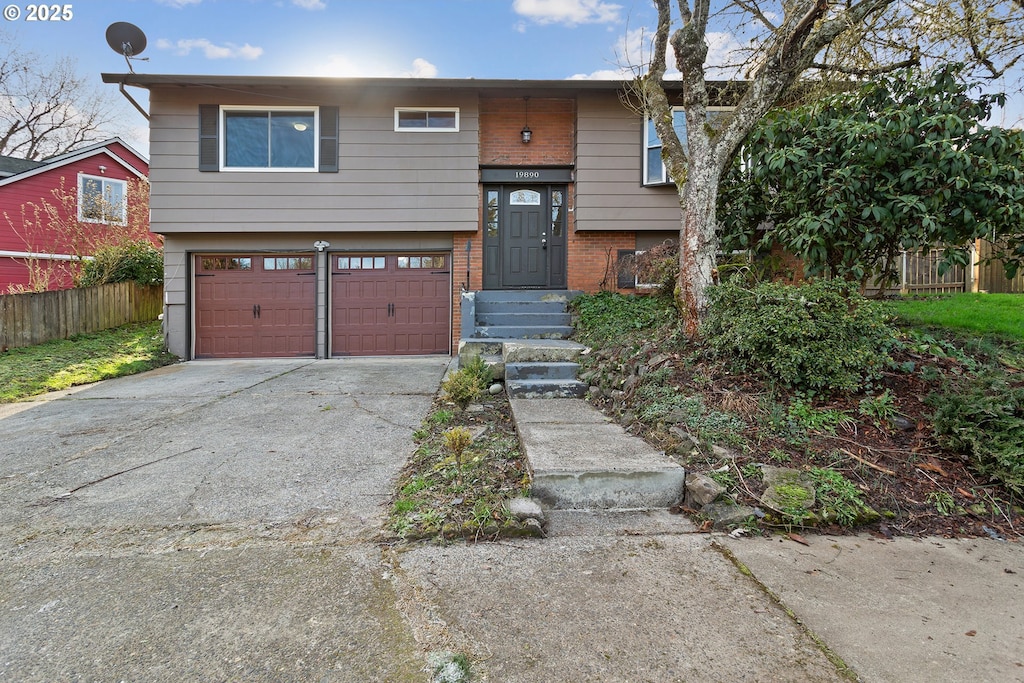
pixel 455 110
pixel 103 180
pixel 222 136
pixel 665 179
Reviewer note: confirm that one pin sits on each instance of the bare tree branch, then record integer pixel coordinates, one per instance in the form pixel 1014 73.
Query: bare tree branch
pixel 867 72
pixel 48 109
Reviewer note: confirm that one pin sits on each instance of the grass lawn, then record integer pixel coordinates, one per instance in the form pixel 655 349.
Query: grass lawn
pixel 998 314
pixel 82 359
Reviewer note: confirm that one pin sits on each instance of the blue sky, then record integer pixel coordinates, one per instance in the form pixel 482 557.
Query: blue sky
pixel 529 39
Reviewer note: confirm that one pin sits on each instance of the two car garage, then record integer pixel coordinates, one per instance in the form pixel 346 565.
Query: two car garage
pixel 263 305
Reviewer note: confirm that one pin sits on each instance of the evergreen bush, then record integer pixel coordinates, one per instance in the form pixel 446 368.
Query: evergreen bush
pixel 818 337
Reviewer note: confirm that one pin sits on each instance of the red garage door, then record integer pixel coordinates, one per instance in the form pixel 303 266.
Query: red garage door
pixel 255 306
pixel 390 304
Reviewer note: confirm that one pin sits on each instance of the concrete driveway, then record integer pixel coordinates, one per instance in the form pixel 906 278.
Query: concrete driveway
pixel 208 521
pixel 217 521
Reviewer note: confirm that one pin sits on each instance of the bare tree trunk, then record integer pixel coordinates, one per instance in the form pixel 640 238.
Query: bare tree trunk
pixel 698 244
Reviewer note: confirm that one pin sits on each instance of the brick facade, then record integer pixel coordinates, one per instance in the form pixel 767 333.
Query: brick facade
pixel 592 256
pixel 553 122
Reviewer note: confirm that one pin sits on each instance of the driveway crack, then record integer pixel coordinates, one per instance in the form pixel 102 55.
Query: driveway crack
pixel 131 469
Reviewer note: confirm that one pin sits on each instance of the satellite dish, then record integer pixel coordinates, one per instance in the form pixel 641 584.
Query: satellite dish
pixel 126 39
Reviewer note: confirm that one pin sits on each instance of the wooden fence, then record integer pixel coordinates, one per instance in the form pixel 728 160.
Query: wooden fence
pixel 991 276
pixel 919 273
pixel 27 319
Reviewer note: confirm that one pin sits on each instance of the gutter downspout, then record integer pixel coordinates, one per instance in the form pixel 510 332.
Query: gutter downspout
pixel 131 99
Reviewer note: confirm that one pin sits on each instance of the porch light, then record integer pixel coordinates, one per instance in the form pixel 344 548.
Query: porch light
pixel 526 133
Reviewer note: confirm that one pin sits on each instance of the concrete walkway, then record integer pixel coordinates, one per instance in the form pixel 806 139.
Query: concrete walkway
pixel 582 460
pixel 216 521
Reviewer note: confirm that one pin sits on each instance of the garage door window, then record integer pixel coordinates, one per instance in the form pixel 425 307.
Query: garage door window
pixel 288 263
pixel 226 263
pixel 361 263
pixel 421 261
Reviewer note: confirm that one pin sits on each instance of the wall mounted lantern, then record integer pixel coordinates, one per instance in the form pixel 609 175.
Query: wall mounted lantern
pixel 526 133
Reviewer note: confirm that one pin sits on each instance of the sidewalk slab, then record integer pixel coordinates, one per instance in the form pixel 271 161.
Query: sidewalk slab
pixel 633 607
pixel 903 610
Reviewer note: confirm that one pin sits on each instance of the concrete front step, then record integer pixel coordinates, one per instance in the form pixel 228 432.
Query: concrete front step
pixel 541 351
pixel 561 296
pixel 545 388
pixel 581 460
pixel 534 370
pixel 524 332
pixel 528 317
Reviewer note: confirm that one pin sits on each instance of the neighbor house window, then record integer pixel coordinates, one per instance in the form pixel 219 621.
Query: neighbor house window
pixel 427 119
pixel 654 167
pixel 102 200
pixel 281 138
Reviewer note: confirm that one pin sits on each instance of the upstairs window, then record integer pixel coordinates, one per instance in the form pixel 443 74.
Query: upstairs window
pixel 102 200
pixel 427 119
pixel 236 138
pixel 654 167
pixel 277 139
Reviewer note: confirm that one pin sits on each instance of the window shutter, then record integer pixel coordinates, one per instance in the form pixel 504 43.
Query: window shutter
pixel 328 139
pixel 209 147
pixel 625 277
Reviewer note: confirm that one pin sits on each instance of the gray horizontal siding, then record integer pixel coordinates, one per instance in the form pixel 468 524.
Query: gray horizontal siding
pixel 388 180
pixel 609 193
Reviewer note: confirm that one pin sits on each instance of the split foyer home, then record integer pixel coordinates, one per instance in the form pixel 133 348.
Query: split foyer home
pixel 329 217
pixel 53 211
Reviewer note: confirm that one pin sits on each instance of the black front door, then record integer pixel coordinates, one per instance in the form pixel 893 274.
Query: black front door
pixel 524 237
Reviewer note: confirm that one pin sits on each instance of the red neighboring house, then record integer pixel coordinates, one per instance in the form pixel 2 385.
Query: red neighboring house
pixel 53 212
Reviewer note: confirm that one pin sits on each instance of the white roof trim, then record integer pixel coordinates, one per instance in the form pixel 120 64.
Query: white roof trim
pixel 77 155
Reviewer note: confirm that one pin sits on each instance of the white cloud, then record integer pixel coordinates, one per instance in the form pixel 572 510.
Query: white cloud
pixel 211 51
pixel 344 66
pixel 568 12
pixel 310 4
pixel 725 59
pixel 603 75
pixel 632 54
pixel 421 68
pixel 178 4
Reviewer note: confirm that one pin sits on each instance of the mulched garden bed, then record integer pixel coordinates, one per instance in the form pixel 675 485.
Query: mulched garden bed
pixel 919 488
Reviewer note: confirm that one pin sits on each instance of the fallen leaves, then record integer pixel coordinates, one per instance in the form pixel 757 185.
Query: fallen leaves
pixel 798 539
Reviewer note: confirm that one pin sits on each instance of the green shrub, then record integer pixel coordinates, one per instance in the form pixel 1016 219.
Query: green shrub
pixel 985 421
pixel 461 388
pixel 468 383
pixel 606 317
pixel 139 262
pixel 477 368
pixel 819 337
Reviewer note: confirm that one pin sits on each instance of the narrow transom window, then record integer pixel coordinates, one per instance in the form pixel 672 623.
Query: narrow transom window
pixel 427 119
pixel 102 200
pixel 278 139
